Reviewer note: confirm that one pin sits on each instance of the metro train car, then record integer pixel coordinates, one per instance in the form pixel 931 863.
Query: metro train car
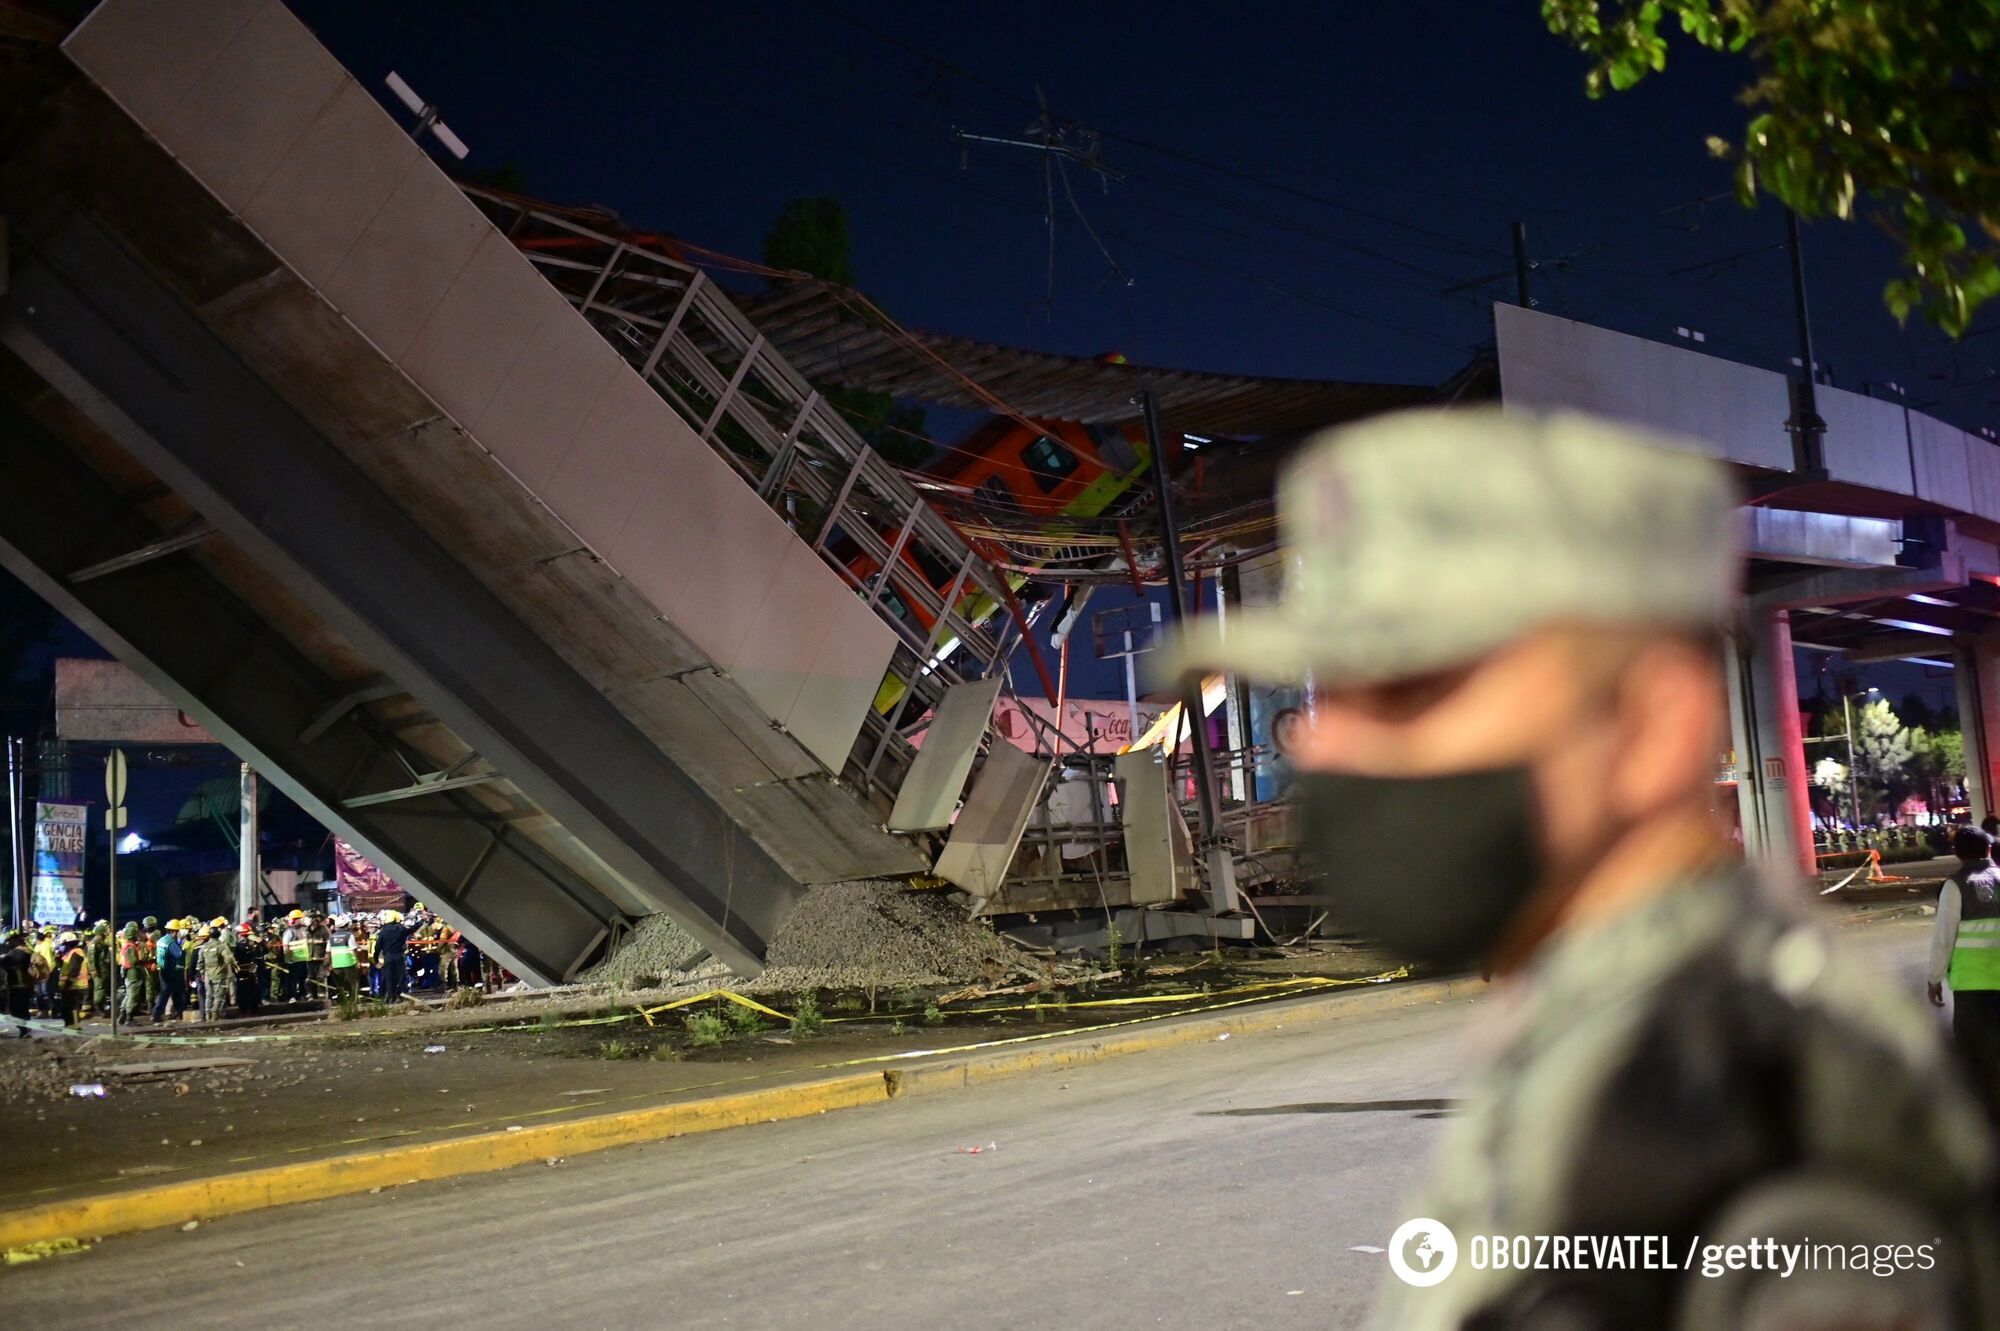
pixel 1054 470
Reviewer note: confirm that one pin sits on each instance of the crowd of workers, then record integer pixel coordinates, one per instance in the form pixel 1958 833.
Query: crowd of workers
pixel 168 971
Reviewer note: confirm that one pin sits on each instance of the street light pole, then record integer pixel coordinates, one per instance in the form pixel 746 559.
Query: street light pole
pixel 1853 789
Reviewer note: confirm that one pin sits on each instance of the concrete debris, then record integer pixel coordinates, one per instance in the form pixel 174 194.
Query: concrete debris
pixel 656 949
pixel 874 933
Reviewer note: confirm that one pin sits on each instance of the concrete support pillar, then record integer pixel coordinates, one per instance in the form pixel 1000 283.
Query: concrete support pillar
pixel 1774 782
pixel 1977 666
pixel 246 846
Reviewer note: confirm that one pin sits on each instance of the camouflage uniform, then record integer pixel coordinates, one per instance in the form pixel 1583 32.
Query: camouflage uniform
pixel 218 975
pixel 99 950
pixel 1652 1072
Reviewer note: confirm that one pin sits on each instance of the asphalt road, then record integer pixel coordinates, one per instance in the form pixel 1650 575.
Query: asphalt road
pixel 1222 1185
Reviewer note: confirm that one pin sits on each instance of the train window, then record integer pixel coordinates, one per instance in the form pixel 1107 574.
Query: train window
pixel 892 602
pixel 938 573
pixel 1050 462
pixel 994 491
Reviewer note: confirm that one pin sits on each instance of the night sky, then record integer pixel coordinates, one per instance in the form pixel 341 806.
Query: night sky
pixel 1397 143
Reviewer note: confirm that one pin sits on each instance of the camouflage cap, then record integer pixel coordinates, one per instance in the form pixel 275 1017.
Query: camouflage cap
pixel 1421 540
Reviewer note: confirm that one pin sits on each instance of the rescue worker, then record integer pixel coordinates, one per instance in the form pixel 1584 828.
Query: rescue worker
pixel 390 941
pixel 132 961
pixel 17 980
pixel 1965 947
pixel 149 932
pixel 98 948
pixel 1512 626
pixel 46 1000
pixel 170 961
pixel 217 959
pixel 272 941
pixel 73 978
pixel 298 957
pixel 320 927
pixel 343 961
pixel 249 954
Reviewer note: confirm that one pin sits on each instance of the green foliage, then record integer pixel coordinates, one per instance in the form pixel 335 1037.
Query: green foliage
pixel 933 1014
pixel 1114 947
pixel 464 997
pixel 810 237
pixel 806 1017
pixel 620 1050
pixel 747 1021
pixel 1892 760
pixel 349 1007
pixel 1888 101
pixel 705 1028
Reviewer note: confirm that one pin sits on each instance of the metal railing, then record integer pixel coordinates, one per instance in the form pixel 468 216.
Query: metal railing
pixel 691 344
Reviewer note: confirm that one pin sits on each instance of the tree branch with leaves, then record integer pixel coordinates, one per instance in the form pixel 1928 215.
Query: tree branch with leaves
pixel 1888 107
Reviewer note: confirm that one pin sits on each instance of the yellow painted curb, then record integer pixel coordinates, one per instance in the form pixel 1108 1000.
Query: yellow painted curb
pixel 170 1204
pixel 312 1180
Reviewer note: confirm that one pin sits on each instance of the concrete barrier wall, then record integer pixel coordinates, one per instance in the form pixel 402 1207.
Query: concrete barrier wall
pixel 251 103
pixel 1739 411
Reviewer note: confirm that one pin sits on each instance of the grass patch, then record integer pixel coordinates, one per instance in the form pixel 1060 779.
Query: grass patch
pixel 619 1050
pixel 705 1029
pixel 745 1021
pixel 933 1014
pixel 806 1017
pixel 465 997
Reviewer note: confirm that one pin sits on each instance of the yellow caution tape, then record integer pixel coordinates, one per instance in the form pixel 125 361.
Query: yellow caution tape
pixel 733 997
pixel 35 1252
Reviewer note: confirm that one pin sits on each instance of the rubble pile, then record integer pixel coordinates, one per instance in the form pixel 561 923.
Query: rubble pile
pixel 656 949
pixel 873 933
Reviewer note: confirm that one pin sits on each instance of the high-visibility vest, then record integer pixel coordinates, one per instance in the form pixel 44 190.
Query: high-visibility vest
pixel 340 950
pixel 298 948
pixel 76 969
pixel 1975 953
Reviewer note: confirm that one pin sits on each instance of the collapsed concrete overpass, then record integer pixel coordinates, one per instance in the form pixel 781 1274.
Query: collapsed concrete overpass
pixel 503 592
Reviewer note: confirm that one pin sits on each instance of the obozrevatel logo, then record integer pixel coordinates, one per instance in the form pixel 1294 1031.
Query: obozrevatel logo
pixel 1422 1252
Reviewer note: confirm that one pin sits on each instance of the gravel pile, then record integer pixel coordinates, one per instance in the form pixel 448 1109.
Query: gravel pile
pixel 854 935
pixel 657 948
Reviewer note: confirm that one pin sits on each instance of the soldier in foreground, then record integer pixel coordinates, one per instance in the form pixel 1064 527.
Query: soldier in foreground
pixel 1512 629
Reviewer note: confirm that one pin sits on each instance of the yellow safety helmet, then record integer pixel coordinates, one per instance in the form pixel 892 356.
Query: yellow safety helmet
pixel 218 923
pixel 296 915
pixel 392 917
pixel 206 933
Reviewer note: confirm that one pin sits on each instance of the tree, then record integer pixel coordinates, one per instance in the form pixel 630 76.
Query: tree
pixel 1937 764
pixel 1830 775
pixel 1892 102
pixel 811 237
pixel 1882 751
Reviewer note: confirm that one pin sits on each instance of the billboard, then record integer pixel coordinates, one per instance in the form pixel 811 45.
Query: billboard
pixel 362 886
pixel 59 832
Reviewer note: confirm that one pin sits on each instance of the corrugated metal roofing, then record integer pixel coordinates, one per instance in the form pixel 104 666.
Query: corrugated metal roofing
pixel 831 344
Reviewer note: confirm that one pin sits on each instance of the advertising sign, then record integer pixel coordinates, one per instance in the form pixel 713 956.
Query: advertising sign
pixel 59 832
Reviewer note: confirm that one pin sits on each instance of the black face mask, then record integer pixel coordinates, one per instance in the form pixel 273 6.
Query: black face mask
pixel 1434 867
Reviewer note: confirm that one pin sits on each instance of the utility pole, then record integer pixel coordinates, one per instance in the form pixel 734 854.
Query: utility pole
pixel 114 820
pixel 1524 267
pixel 18 899
pixel 1806 426
pixel 1221 863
